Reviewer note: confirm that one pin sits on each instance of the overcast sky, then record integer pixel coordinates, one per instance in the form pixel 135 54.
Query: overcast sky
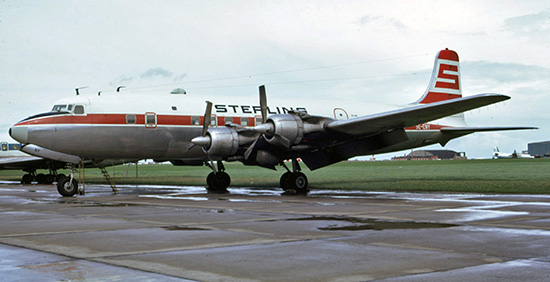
pixel 375 51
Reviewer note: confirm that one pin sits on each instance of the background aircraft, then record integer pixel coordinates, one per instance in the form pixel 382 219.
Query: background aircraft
pixel 319 133
pixel 498 155
pixel 13 159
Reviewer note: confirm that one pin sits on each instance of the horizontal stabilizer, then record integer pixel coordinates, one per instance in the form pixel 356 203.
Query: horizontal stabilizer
pixel 467 130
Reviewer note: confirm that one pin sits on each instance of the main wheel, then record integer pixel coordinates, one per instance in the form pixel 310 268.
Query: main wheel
pixel 49 179
pixel 298 181
pixel 26 179
pixel 284 182
pixel 41 178
pixel 218 182
pixel 66 187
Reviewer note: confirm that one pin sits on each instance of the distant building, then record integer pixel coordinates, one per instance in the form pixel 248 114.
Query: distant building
pixel 432 155
pixel 539 149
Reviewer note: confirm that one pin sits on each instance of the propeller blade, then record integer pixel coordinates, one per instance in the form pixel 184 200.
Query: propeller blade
pixel 207 118
pixel 250 149
pixel 283 140
pixel 263 103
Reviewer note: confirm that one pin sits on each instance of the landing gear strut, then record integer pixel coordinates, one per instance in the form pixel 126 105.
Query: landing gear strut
pixel 218 180
pixel 294 182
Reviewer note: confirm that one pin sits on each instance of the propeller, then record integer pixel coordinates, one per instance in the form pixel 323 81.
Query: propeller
pixel 264 128
pixel 204 140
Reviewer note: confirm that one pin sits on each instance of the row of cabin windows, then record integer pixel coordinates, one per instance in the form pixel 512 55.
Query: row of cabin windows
pixel 10 147
pixel 195 120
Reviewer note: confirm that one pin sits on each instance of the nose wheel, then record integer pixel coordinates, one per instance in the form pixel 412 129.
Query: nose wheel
pixel 67 186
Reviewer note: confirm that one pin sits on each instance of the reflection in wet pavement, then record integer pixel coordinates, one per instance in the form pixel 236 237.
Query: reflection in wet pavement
pixel 471 207
pixel 358 224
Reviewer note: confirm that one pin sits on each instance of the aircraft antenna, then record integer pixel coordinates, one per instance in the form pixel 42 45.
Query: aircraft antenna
pixel 78 88
pixel 118 88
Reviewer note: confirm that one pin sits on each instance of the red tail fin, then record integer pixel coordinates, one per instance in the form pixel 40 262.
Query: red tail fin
pixel 445 82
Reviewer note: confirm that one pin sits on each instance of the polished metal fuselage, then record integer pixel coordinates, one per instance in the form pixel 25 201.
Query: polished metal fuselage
pixel 104 131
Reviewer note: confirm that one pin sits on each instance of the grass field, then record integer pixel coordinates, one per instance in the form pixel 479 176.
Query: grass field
pixel 529 176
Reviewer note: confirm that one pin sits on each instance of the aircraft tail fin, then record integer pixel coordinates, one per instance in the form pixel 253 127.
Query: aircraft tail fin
pixel 445 81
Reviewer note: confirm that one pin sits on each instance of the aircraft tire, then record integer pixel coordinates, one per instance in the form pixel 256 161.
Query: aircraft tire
pixel 298 182
pixel 26 179
pixel 218 182
pixel 49 179
pixel 41 178
pixel 67 188
pixel 284 182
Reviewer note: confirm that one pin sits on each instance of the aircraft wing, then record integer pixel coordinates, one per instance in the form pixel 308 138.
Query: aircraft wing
pixel 412 116
pixel 29 162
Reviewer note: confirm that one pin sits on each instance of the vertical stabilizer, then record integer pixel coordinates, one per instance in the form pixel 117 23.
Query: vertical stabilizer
pixel 445 81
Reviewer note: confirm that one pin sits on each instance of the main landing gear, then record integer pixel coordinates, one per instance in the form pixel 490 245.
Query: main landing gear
pixel 218 180
pixel 294 182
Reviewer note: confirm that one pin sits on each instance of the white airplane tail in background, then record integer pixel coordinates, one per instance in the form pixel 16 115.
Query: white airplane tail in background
pixel 445 81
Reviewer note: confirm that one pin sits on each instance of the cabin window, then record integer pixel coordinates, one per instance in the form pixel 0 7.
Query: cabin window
pixel 150 120
pixel 4 146
pixel 131 119
pixel 195 120
pixel 258 120
pixel 79 110
pixel 228 120
pixel 70 108
pixel 244 121
pixel 213 120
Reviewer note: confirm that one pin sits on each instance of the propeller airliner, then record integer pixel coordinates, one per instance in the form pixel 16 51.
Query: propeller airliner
pixel 176 128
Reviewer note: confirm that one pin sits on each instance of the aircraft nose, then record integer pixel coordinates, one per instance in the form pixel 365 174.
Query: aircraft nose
pixel 19 133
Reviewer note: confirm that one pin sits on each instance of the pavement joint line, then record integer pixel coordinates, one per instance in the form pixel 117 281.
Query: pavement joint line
pixel 71 258
pixel 204 247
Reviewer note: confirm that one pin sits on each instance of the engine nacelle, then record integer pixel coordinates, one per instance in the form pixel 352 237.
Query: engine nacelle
pixel 224 142
pixel 289 127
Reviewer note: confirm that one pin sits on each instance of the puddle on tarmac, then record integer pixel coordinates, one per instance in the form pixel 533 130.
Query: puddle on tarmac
pixel 359 224
pixel 184 228
pixel 80 203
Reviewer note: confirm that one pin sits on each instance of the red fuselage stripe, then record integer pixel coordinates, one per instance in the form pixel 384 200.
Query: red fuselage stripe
pixel 162 120
pixel 120 119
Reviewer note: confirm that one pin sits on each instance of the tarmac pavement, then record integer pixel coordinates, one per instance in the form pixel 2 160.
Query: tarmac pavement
pixel 171 233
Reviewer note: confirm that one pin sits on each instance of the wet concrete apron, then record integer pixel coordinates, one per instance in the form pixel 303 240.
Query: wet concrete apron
pixel 182 233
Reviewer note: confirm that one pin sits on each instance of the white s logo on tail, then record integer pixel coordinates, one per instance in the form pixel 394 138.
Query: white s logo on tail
pixel 445 81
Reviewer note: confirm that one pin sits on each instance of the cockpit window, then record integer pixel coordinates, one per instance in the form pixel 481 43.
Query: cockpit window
pixel 79 110
pixel 59 108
